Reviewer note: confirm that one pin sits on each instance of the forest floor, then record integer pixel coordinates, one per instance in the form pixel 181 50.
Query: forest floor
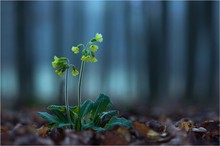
pixel 189 126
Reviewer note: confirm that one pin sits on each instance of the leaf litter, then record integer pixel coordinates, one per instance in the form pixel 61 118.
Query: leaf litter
pixel 26 128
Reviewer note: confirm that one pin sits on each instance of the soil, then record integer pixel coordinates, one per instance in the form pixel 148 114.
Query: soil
pixel 194 127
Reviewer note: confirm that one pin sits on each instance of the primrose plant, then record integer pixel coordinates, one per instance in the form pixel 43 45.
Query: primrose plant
pixel 89 114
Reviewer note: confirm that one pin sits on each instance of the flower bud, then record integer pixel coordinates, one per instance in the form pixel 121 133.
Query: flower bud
pixel 94 59
pixel 75 72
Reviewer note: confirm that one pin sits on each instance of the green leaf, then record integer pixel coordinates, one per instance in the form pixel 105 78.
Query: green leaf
pixel 61 125
pixel 51 125
pixel 104 117
pixel 49 117
pixel 92 126
pixel 74 109
pixel 108 113
pixel 101 104
pixel 61 108
pixel 117 121
pixel 60 115
pixel 73 116
pixel 86 108
pixel 78 125
pixel 99 129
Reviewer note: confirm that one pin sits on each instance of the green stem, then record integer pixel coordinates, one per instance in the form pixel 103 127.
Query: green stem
pixel 66 97
pixel 80 83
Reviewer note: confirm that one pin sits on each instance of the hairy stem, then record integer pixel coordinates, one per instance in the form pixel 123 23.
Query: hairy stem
pixel 66 97
pixel 80 83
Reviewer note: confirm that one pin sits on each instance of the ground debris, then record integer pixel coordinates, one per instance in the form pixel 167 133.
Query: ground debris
pixel 26 128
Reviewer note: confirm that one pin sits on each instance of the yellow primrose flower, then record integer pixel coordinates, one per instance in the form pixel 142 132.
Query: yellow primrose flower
pixel 85 58
pixel 55 62
pixel 75 72
pixel 94 48
pixel 88 58
pixel 94 59
pixel 75 50
pixel 98 37
pixel 60 73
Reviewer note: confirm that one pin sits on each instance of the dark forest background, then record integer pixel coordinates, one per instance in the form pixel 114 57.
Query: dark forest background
pixel 162 52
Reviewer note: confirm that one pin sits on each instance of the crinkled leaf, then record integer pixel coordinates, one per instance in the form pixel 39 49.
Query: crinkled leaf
pixel 117 121
pixel 85 108
pixel 101 104
pixel 61 108
pixel 108 113
pixel 92 126
pixel 104 117
pixel 61 125
pixel 74 113
pixel 74 109
pixel 73 116
pixel 99 129
pixel 49 117
pixel 60 115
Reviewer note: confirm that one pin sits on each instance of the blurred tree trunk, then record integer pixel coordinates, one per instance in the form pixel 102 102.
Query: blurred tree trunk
pixel 107 31
pixel 191 52
pixel 154 59
pixel 163 55
pixel 214 50
pixel 24 57
pixel 58 42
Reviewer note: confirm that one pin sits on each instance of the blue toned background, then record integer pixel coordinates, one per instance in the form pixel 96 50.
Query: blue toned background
pixel 152 53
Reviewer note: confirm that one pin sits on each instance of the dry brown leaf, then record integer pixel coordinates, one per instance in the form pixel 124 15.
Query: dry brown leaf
pixel 124 132
pixel 210 125
pixel 42 131
pixel 156 126
pixel 112 138
pixel 144 130
pixel 185 124
pixel 213 131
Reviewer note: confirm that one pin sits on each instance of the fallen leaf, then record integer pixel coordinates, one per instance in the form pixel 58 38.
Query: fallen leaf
pixel 185 124
pixel 145 131
pixel 156 126
pixel 210 125
pixel 124 132
pixel 42 131
pixel 113 138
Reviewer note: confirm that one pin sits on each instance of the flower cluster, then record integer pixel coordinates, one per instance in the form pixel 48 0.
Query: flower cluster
pixel 88 53
pixel 63 64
